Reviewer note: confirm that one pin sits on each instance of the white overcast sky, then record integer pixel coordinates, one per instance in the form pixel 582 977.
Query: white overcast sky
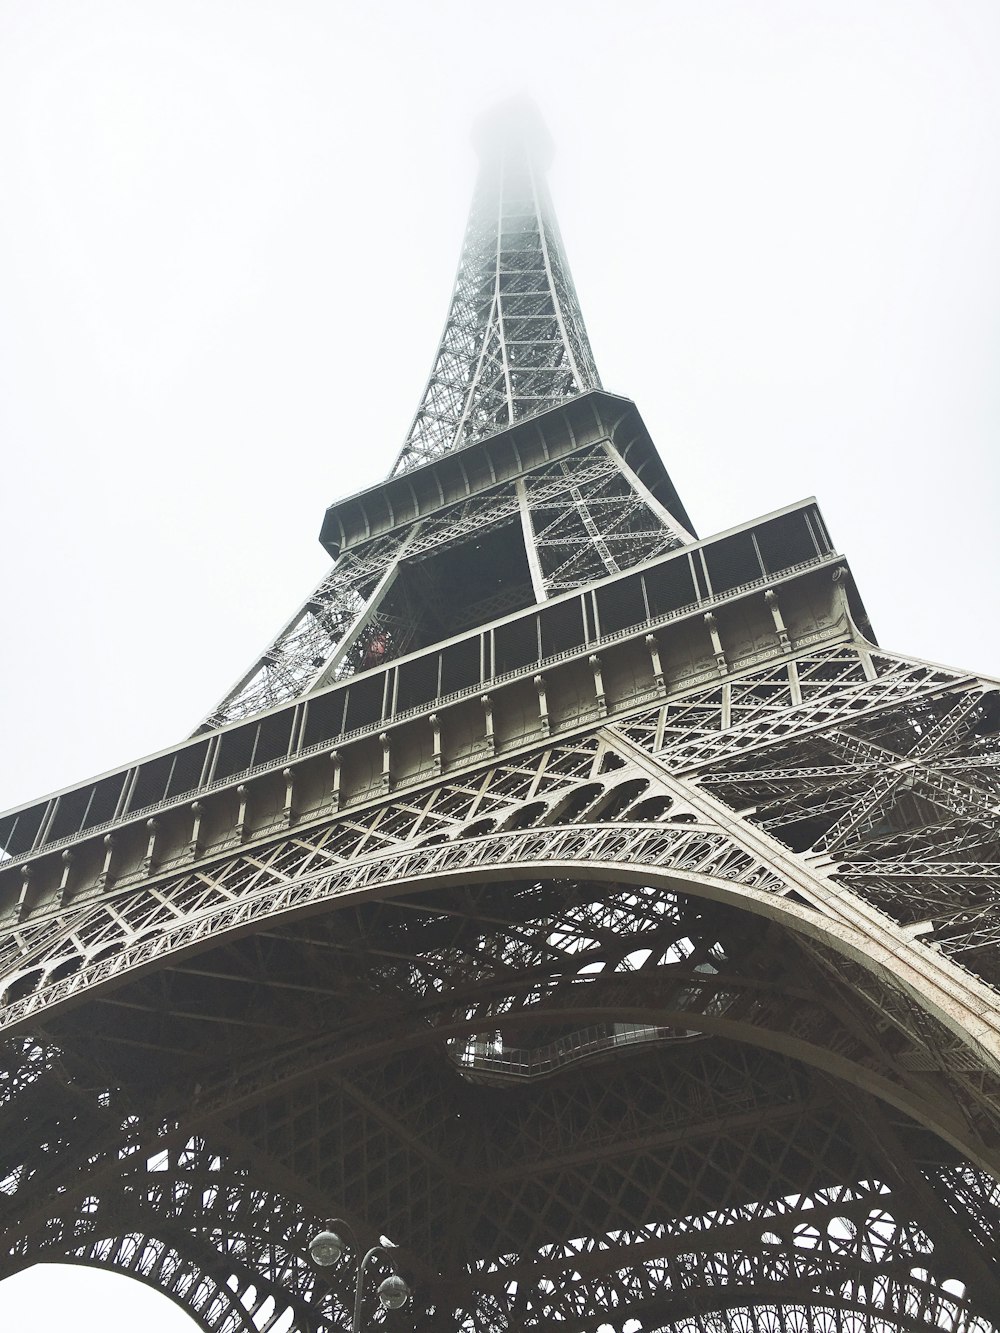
pixel 227 237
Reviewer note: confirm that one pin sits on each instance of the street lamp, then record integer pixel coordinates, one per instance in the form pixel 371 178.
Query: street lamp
pixel 325 1249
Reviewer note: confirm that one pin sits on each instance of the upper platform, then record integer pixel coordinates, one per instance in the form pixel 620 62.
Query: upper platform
pixel 474 469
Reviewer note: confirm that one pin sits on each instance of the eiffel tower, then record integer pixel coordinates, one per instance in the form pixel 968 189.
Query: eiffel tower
pixel 594 909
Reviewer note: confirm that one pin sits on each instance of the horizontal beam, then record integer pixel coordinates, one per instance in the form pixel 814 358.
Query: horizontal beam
pixel 563 632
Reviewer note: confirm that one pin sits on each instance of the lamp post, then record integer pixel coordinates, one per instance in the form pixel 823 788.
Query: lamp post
pixel 325 1250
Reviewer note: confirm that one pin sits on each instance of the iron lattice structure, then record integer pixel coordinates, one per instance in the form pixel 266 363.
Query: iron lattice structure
pixel 595 910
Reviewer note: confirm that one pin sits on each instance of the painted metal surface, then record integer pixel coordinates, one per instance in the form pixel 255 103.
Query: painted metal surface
pixel 620 935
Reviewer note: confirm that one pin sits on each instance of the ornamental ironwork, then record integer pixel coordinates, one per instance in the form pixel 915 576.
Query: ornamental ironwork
pixel 595 911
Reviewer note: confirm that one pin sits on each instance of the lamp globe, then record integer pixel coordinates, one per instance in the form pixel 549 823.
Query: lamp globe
pixel 393 1292
pixel 325 1248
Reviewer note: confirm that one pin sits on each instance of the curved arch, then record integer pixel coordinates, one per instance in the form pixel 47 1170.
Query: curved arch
pixel 478 828
pixel 695 859
pixel 247 1300
pixel 875 1263
pixel 64 1293
pixel 212 1304
pixel 883 1272
pixel 725 1244
pixel 187 1273
pixel 577 800
pixel 222 1290
pixel 852 1312
pixel 620 796
pixel 689 858
pixel 524 816
pixel 653 807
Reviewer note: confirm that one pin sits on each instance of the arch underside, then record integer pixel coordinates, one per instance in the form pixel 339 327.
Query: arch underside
pixel 877 1275
pixel 191 1275
pixel 824 1255
pixel 560 1097
pixel 578 1088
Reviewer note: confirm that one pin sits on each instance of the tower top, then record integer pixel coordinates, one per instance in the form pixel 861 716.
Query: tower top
pixel 514 341
pixel 512 127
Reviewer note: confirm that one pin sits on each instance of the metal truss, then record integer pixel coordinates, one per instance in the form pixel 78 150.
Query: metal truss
pixel 514 342
pixel 900 800
pixel 588 521
pixel 232 1253
pixel 303 647
pixel 514 345
pixel 638 942
pixel 583 518
pixel 593 911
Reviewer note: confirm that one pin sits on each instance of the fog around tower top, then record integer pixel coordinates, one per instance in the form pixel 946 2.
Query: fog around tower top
pixel 513 123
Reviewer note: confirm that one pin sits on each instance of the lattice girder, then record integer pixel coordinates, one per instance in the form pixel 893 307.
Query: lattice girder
pixel 514 348
pixel 652 1268
pixel 514 345
pixel 610 937
pixel 564 488
pixel 595 911
pixel 514 341
pixel 551 777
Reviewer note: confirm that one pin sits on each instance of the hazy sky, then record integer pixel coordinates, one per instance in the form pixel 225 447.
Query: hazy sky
pixel 227 237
